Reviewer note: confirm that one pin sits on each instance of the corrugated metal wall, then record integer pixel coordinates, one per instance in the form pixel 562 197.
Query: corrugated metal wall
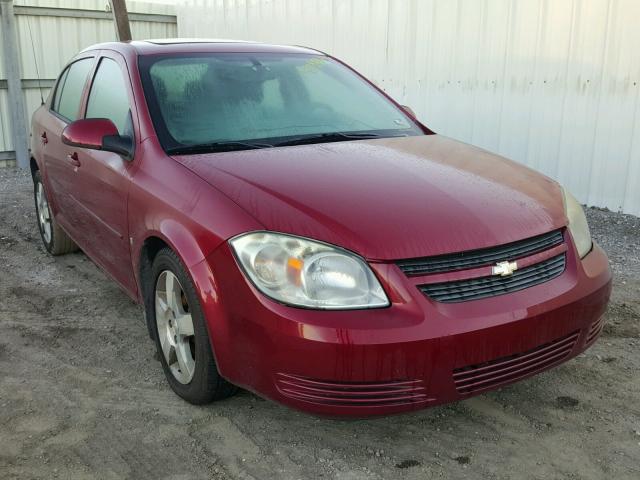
pixel 550 83
pixel 60 31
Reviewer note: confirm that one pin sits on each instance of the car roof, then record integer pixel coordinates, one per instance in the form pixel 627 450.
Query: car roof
pixel 197 45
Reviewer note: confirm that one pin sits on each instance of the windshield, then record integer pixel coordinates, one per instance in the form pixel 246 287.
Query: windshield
pixel 232 101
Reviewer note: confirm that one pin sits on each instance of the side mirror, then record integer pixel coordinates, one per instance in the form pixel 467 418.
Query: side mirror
pixel 120 144
pixel 409 111
pixel 97 134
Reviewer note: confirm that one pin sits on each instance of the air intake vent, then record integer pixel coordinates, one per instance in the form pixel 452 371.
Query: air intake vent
pixel 479 258
pixel 476 378
pixel 353 394
pixel 484 287
pixel 595 330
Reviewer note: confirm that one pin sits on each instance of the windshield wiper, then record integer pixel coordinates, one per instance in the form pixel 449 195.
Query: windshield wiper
pixel 331 137
pixel 224 146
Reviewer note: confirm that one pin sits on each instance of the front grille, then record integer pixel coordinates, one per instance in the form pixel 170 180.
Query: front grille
pixel 478 258
pixel 352 394
pixel 483 287
pixel 483 376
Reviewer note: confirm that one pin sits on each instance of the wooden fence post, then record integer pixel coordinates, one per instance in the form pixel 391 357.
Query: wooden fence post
pixel 121 19
pixel 15 96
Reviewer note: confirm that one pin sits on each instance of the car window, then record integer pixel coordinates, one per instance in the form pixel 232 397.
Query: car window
pixel 69 89
pixel 235 97
pixel 108 97
pixel 56 99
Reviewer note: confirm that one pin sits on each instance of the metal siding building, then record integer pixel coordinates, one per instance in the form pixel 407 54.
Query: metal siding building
pixel 552 84
pixel 60 29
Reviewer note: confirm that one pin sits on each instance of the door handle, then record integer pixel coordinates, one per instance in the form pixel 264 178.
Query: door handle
pixel 44 137
pixel 73 159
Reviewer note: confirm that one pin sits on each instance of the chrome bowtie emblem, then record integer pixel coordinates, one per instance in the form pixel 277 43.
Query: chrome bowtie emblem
pixel 504 269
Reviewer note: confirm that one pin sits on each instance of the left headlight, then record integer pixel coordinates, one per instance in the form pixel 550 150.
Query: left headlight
pixel 306 273
pixel 578 225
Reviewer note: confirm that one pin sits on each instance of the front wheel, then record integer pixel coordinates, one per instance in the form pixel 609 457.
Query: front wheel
pixel 55 240
pixel 181 335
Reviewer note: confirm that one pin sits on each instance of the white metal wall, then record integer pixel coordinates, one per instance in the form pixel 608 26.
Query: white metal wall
pixel 57 38
pixel 553 84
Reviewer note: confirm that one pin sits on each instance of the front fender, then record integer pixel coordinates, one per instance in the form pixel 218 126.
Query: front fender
pixel 169 202
pixel 182 241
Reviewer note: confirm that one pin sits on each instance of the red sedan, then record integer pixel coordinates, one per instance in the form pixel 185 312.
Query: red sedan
pixel 292 230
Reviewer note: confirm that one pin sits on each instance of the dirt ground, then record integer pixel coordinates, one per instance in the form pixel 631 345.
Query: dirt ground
pixel 82 394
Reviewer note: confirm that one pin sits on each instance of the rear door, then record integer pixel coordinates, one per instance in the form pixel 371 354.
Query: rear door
pixel 101 183
pixel 59 167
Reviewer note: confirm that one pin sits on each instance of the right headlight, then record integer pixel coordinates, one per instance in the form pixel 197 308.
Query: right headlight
pixel 578 225
pixel 306 273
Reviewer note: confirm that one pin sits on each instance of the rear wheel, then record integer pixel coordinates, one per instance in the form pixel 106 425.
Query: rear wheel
pixel 55 240
pixel 181 335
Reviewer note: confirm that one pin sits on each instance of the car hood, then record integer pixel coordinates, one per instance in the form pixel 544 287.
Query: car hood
pixel 387 199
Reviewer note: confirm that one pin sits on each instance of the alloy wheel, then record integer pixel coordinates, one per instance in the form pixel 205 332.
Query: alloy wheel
pixel 44 214
pixel 175 327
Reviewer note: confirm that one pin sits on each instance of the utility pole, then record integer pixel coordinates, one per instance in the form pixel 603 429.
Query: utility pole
pixel 121 19
pixel 15 99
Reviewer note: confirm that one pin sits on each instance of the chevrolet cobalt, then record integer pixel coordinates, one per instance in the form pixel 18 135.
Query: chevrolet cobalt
pixel 292 230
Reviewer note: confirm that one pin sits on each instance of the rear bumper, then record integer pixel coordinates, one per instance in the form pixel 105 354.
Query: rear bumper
pixel 414 354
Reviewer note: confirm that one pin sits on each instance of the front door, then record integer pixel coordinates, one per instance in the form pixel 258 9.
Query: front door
pixel 102 181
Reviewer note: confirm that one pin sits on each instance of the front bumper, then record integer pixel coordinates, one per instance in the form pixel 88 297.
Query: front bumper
pixel 414 354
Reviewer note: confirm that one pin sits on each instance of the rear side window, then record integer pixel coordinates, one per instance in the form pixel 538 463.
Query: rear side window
pixel 69 91
pixel 108 97
pixel 56 99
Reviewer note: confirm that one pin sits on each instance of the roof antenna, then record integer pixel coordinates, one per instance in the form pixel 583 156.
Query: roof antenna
pixel 35 61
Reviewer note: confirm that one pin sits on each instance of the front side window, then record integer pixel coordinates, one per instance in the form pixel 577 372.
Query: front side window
pixel 69 90
pixel 108 97
pixel 209 99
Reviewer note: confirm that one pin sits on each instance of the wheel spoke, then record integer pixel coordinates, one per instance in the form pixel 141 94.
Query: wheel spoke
pixel 184 325
pixel 161 303
pixel 172 291
pixel 47 231
pixel 168 282
pixel 164 344
pixel 185 362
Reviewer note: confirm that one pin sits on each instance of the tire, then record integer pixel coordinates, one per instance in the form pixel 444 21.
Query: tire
pixel 173 300
pixel 55 240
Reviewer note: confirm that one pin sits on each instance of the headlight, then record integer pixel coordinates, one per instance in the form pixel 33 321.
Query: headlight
pixel 577 224
pixel 305 273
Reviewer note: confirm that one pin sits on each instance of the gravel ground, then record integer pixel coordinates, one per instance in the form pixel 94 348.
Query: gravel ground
pixel 82 394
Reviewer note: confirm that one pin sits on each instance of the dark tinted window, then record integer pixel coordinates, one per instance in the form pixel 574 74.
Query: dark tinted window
pixel 69 90
pixel 108 97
